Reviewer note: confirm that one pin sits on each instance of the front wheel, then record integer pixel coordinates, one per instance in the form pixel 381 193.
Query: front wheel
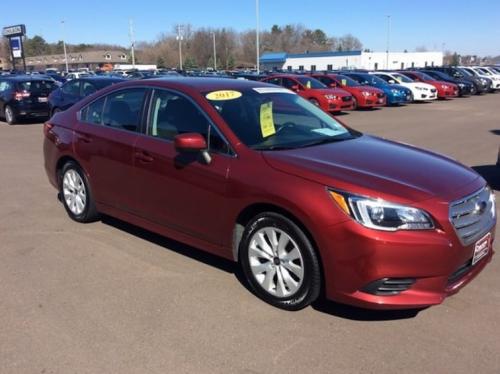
pixel 279 262
pixel 10 116
pixel 75 194
pixel 314 101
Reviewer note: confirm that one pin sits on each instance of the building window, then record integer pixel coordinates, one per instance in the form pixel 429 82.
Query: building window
pixel 107 56
pixel 301 67
pixel 376 66
pixel 402 65
pixel 412 64
pixel 329 67
pixel 123 57
pixel 432 63
pixel 425 63
pixel 289 68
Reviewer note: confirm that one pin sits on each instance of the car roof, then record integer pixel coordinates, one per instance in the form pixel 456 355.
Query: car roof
pixel 26 78
pixel 102 79
pixel 196 84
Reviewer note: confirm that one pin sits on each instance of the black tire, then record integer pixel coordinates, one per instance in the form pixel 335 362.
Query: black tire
pixel 10 115
pixel 314 101
pixel 89 212
pixel 354 103
pixel 55 110
pixel 473 90
pixel 309 289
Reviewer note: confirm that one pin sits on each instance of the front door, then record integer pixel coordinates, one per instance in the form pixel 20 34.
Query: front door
pixel 181 191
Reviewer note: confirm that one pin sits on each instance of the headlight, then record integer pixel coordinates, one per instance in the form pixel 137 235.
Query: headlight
pixel 331 97
pixel 444 86
pixel 382 215
pixel 394 91
pixel 493 204
pixel 461 85
pixel 484 81
pixel 365 93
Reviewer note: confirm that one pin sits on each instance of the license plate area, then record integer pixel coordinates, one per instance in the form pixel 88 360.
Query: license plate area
pixel 42 99
pixel 481 248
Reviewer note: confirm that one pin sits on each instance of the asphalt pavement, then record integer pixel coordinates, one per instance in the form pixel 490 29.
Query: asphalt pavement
pixel 108 297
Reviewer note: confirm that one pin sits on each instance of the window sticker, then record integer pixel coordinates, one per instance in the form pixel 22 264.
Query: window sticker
pixel 344 82
pixel 308 84
pixel 223 95
pixel 266 120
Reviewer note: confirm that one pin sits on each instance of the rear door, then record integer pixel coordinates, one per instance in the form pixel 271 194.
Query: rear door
pixel 104 141
pixel 39 91
pixel 181 191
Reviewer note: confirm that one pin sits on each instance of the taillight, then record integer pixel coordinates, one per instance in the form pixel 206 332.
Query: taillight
pixel 21 95
pixel 47 127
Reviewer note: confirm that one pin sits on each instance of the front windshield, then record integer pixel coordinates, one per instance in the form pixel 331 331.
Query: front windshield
pixel 467 72
pixel 425 77
pixel 402 78
pixel 346 81
pixel 267 118
pixel 484 71
pixel 369 80
pixel 310 82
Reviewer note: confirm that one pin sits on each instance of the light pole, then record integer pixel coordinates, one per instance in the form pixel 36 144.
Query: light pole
pixel 64 48
pixel 179 38
pixel 215 52
pixel 388 40
pixel 132 41
pixel 257 35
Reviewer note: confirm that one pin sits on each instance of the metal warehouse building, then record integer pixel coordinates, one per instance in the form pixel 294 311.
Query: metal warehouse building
pixel 349 60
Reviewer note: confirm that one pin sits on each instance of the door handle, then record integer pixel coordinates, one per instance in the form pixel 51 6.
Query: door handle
pixel 144 156
pixel 84 138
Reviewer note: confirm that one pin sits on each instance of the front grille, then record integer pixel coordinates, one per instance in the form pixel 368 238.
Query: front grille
pixel 346 98
pixel 380 95
pixel 388 286
pixel 473 215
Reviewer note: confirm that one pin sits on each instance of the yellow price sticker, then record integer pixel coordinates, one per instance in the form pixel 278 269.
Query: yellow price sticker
pixel 344 82
pixel 266 120
pixel 223 95
pixel 308 84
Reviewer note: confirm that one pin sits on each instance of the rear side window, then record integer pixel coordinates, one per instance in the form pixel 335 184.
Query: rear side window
pixel 5 86
pixel 123 109
pixel 37 87
pixel 93 113
pixel 88 89
pixel 72 88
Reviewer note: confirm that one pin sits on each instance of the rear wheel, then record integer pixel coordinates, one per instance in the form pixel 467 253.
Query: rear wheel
pixel 76 195
pixel 279 262
pixel 56 110
pixel 10 116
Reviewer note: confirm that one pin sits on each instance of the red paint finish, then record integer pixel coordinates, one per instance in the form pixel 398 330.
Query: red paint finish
pixel 445 90
pixel 329 99
pixel 148 182
pixel 366 96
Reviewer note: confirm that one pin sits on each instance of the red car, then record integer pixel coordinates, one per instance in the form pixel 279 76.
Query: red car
pixel 445 90
pixel 363 96
pixel 328 99
pixel 254 173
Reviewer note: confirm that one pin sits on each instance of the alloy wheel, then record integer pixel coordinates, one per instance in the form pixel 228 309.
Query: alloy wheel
pixel 74 192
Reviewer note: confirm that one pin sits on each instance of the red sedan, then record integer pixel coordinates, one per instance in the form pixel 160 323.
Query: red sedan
pixel 363 96
pixel 329 99
pixel 254 173
pixel 445 90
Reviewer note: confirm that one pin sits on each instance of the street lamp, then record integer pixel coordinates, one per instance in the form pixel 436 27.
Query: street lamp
pixel 215 52
pixel 257 35
pixel 179 38
pixel 388 40
pixel 64 48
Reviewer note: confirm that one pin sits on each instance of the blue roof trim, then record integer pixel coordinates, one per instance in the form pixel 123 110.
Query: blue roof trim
pixel 282 56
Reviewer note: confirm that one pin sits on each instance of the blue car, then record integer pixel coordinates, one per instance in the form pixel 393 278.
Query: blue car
pixel 396 94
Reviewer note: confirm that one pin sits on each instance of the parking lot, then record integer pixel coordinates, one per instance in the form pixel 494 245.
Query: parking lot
pixel 108 297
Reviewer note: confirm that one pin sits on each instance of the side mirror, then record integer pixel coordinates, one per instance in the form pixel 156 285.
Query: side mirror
pixel 192 143
pixel 392 81
pixel 333 85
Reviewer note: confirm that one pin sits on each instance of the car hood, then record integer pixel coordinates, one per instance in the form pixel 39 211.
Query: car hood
pixel 331 91
pixel 375 167
pixel 370 89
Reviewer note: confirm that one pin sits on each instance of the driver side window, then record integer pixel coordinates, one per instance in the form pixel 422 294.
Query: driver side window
pixel 72 88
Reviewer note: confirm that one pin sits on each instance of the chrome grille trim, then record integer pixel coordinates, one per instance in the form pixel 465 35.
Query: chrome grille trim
pixel 468 219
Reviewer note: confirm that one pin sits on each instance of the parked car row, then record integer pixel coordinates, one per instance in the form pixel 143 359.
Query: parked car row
pixel 333 92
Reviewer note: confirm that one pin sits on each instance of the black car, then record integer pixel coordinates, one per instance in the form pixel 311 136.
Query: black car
pixel 481 85
pixel 465 88
pixel 76 89
pixel 24 96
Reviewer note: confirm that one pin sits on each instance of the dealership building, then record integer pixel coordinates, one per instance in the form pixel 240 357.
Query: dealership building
pixel 316 61
pixel 90 59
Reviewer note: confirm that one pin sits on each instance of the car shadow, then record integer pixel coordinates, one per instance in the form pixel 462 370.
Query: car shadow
pixel 322 305
pixel 495 132
pixel 22 122
pixel 491 173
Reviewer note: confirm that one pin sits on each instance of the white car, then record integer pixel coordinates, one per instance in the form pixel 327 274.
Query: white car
pixel 483 72
pixel 420 91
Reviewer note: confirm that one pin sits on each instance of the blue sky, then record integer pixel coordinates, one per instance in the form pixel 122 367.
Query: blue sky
pixel 465 26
